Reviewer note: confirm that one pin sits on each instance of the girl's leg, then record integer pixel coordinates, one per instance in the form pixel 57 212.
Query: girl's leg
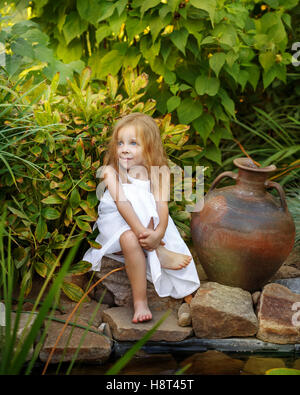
pixel 170 259
pixel 135 264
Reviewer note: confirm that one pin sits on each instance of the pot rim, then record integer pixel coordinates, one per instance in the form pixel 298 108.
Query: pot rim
pixel 243 163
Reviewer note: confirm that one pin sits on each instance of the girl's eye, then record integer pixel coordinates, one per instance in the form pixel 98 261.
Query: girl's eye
pixel 119 142
pixel 133 142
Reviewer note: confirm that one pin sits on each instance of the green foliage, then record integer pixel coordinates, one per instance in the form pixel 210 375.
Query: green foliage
pixel 53 149
pixel 200 55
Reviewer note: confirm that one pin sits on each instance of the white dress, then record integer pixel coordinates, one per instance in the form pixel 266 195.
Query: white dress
pixel 111 225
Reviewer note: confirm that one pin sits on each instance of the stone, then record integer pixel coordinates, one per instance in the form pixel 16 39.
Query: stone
pixel 105 329
pixel 85 311
pixel 95 347
pixel 259 365
pixel 118 284
pixel 286 272
pixel 220 311
pixel 296 364
pixel 255 297
pixel 119 320
pixel 212 362
pixel 293 284
pixel 184 315
pixel 279 315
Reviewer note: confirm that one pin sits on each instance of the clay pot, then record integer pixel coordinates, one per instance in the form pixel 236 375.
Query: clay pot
pixel 243 234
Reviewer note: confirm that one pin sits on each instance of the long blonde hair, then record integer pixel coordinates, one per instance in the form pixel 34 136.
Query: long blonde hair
pixel 148 132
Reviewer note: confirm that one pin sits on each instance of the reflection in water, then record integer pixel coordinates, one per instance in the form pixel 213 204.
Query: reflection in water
pixel 211 362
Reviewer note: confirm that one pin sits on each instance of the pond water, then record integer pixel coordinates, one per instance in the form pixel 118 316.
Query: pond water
pixel 210 362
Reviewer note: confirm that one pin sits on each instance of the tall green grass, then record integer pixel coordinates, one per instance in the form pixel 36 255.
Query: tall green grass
pixel 14 351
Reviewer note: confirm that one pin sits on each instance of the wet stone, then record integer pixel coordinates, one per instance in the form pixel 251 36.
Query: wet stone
pixel 212 362
pixel 259 365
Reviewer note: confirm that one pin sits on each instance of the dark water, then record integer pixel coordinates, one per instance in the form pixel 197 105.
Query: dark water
pixel 210 362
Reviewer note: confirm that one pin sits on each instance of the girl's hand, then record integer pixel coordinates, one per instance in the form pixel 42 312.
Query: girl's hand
pixel 150 239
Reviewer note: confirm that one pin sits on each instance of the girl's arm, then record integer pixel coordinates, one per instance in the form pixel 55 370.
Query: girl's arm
pixel 150 238
pixel 124 206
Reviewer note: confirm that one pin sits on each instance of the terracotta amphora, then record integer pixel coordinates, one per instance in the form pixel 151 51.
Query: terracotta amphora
pixel 243 234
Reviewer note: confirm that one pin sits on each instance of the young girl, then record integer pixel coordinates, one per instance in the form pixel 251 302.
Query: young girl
pixel 134 222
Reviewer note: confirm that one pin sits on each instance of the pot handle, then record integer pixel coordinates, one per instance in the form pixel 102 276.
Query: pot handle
pixel 230 174
pixel 278 187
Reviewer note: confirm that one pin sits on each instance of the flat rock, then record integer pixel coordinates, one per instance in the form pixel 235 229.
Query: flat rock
pixel 220 311
pixel 118 284
pixel 119 320
pixel 95 347
pixel 278 315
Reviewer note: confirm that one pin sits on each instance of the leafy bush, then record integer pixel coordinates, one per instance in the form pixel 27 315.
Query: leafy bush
pixel 201 55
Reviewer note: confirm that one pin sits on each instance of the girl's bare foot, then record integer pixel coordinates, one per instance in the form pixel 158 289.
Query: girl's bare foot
pixel 172 260
pixel 141 312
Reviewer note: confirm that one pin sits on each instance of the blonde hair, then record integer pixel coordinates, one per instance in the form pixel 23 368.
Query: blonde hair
pixel 153 150
pixel 148 131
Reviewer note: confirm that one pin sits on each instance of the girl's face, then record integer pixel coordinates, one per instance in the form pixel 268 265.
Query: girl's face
pixel 129 148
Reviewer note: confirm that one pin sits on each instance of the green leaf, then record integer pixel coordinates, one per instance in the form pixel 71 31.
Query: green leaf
pixel 173 103
pixel 205 85
pixel 102 32
pixel 189 110
pixel 217 61
pixel 269 76
pixel 132 58
pixel 89 10
pixel 52 199
pixel 204 125
pixel 74 26
pixel 254 72
pixel 179 39
pixel 79 150
pixel 75 198
pixel 41 230
pixel 50 213
pixel 148 4
pixel 213 153
pixel 227 102
pixel 73 291
pixel 20 256
pixel 41 269
pixel 94 244
pixel 206 5
pixel 226 33
pixel 267 60
pixel 83 225
pixel 156 25
pixel 111 63
pixel 79 268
